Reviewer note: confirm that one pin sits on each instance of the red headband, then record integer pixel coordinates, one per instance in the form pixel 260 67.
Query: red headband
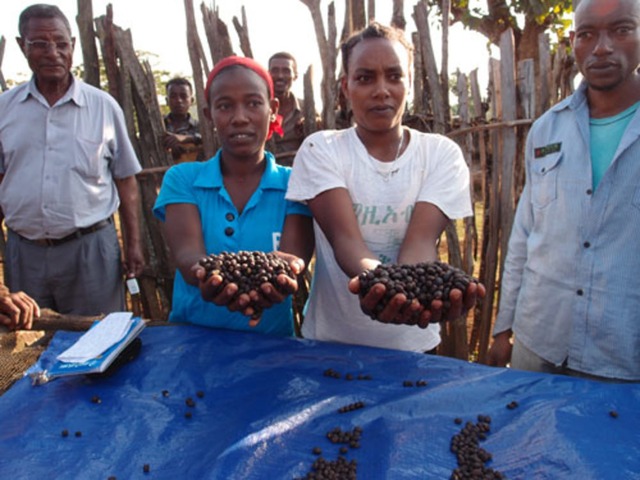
pixel 276 124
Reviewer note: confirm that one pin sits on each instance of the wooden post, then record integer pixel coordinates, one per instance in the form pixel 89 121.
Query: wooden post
pixel 328 55
pixel 87 35
pixel 508 153
pixel 544 75
pixel 198 62
pixel 429 62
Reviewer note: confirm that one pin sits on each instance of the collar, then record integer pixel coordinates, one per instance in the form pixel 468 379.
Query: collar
pixel 575 101
pixel 210 175
pixel 169 118
pixel 74 93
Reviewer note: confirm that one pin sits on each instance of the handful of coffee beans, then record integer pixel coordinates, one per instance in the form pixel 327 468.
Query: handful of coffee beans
pixel 247 269
pixel 425 282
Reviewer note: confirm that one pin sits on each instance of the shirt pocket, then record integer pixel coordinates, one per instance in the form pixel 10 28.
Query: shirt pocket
pixel 88 158
pixel 544 180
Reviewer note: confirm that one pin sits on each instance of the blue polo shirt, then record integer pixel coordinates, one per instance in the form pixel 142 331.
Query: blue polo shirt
pixel 258 228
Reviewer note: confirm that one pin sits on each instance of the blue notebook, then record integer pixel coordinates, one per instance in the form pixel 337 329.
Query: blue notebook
pixel 100 363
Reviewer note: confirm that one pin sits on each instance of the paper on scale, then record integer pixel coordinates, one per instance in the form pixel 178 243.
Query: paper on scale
pixel 108 331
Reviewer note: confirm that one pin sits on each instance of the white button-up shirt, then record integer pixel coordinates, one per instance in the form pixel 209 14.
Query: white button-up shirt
pixel 59 162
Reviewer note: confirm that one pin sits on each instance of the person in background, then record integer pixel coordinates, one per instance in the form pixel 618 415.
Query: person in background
pixel 182 136
pixel 284 71
pixel 232 202
pixel 17 310
pixel 567 296
pixel 379 193
pixel 66 166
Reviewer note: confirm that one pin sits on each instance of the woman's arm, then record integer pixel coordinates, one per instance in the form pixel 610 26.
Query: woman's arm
pixel 333 210
pixel 420 243
pixel 183 231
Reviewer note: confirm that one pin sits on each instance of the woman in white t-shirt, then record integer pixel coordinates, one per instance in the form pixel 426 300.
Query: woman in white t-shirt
pixel 379 193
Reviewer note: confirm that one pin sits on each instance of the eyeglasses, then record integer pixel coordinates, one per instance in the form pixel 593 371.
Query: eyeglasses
pixel 43 46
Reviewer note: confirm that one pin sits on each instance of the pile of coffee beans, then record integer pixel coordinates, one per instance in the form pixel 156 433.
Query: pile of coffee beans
pixel 425 282
pixel 471 457
pixel 349 437
pixel 351 407
pixel 330 372
pixel 247 269
pixel 340 468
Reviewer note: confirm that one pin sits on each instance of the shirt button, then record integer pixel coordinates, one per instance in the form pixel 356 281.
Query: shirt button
pixel 228 231
pixel 580 292
pixel 586 244
pixel 230 217
pixel 589 191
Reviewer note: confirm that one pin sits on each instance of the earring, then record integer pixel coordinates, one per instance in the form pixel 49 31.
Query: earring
pixel 272 118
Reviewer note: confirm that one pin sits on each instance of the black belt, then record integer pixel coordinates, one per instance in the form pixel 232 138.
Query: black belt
pixel 52 242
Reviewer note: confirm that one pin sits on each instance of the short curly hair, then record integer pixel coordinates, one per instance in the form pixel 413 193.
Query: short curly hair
pixel 40 10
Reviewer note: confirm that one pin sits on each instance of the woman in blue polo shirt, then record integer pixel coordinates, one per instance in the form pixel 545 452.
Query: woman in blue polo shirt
pixel 234 201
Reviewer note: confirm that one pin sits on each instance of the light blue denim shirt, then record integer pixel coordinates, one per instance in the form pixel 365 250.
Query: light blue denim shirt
pixel 570 284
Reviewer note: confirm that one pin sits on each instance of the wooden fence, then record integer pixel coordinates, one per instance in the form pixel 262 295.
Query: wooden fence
pixel 490 132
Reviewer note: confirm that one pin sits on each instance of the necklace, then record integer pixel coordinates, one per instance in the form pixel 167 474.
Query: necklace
pixel 386 169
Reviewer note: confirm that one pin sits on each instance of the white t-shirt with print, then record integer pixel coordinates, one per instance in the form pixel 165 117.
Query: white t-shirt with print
pixel 431 169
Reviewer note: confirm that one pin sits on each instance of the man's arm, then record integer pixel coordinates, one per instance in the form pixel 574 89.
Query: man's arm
pixel 129 215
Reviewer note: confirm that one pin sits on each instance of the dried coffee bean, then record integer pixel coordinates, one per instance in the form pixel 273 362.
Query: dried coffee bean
pixel 511 405
pixel 96 399
pixel 329 372
pixel 78 433
pixel 350 407
pixel 190 403
pixel 407 383
pixel 188 415
pixel 165 393
pixel 146 468
pixel 424 282
pixel 613 414
pixel 247 269
pixel 65 433
pixel 200 394
pixel 316 451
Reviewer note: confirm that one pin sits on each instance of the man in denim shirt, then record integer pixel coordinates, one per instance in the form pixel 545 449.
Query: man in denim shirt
pixel 569 287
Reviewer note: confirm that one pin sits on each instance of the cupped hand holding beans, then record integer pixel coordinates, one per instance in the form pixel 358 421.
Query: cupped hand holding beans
pixel 248 281
pixel 419 294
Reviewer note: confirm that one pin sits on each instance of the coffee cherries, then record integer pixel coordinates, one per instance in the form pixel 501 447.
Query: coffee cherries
pixel 425 282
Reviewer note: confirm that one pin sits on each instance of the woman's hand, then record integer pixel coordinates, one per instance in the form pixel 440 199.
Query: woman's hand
pixel 213 289
pixel 399 310
pixel 270 294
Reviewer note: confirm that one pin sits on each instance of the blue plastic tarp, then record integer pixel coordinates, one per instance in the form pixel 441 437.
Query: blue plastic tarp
pixel 266 403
